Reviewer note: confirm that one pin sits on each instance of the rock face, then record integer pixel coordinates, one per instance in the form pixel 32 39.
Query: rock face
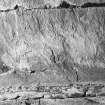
pixel 51 42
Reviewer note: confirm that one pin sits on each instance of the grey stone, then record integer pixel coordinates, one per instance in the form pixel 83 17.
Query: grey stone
pixel 46 42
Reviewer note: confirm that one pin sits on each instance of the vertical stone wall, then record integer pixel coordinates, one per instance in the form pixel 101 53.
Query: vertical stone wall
pixel 51 42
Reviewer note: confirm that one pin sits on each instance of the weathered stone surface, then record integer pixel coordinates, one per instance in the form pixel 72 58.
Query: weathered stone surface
pixel 48 42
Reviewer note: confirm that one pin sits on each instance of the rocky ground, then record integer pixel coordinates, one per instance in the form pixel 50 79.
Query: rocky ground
pixel 52 52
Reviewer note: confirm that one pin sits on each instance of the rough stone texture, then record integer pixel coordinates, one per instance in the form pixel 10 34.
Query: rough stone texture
pixel 42 42
pixel 68 41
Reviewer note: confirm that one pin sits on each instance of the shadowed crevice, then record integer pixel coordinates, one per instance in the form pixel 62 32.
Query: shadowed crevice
pixel 89 4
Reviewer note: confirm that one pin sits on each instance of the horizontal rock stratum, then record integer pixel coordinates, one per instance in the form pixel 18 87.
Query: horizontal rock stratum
pixel 52 43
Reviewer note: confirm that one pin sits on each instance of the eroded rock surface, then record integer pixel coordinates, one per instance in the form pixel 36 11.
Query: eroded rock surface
pixel 47 43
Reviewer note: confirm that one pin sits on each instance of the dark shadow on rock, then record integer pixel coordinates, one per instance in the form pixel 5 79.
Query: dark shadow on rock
pixel 65 5
pixel 89 4
pixel 3 68
pixel 16 7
